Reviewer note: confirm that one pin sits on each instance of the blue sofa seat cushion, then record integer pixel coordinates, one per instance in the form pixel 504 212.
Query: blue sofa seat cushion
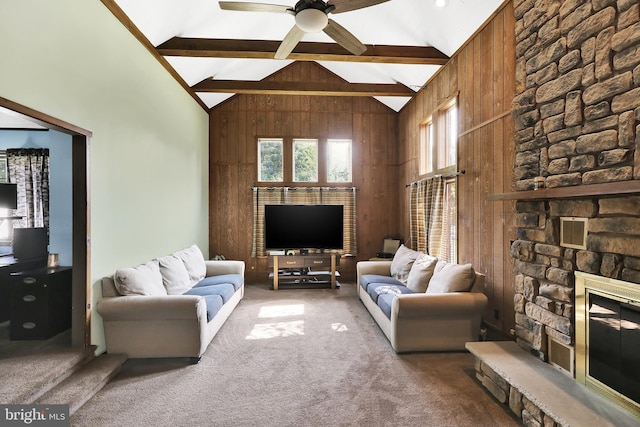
pixel 384 302
pixel 367 279
pixel 225 291
pixel 214 304
pixel 234 279
pixel 376 289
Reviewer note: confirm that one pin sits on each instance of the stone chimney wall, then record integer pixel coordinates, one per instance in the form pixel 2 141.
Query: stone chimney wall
pixel 576 114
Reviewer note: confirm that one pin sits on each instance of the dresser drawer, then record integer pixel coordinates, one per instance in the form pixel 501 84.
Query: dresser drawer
pixel 318 262
pixel 290 262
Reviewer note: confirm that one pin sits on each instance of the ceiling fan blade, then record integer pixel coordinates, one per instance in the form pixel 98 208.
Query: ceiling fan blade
pixel 254 7
pixel 290 41
pixel 344 38
pixel 349 5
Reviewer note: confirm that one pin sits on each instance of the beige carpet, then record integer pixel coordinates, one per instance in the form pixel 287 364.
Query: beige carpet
pixel 298 358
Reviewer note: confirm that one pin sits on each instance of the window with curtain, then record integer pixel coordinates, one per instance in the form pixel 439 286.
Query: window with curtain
pixel 29 169
pixel 304 195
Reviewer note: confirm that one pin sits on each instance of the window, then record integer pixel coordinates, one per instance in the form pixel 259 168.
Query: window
pixel 270 160
pixel 450 227
pixel 439 141
pixel 339 160
pixel 305 160
pixel 5 226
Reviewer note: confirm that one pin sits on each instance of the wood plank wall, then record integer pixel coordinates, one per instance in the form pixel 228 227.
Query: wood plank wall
pixel 235 127
pixel 482 75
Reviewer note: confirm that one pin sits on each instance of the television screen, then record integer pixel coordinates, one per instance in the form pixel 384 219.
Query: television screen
pixel 8 196
pixel 303 226
pixel 30 243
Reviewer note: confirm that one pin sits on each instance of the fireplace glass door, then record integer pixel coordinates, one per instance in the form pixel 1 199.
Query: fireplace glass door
pixel 614 345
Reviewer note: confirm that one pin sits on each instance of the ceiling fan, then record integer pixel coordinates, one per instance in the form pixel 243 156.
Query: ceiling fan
pixel 311 17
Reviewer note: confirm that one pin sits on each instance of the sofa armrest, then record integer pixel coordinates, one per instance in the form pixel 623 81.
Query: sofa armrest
pixel 152 307
pixel 220 267
pixel 449 305
pixel 382 268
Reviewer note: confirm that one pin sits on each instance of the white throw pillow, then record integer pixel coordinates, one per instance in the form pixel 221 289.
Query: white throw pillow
pixel 421 273
pixel 451 278
pixel 194 262
pixel 144 279
pixel 175 276
pixel 402 262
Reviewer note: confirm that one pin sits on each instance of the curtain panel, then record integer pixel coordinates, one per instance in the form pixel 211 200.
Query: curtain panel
pixel 304 196
pixel 426 209
pixel 29 169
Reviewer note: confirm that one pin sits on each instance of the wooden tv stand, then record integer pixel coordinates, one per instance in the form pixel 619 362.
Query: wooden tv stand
pixel 299 271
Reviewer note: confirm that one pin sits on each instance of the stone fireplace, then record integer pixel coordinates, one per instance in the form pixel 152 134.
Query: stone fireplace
pixel 576 114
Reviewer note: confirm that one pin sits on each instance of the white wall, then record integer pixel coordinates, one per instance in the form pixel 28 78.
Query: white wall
pixel 61 206
pixel 73 60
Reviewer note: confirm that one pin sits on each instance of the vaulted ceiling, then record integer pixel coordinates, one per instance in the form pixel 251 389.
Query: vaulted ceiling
pixel 216 53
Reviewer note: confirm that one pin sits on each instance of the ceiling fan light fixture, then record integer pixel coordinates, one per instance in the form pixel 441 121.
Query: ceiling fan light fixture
pixel 311 20
pixel 441 3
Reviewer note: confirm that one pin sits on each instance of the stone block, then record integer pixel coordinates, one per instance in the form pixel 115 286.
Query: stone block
pixel 565 339
pixel 551 250
pixel 553 123
pixel 524 101
pixel 530 170
pixel 564 180
pixel 608 88
pixel 626 37
pixel 562 149
pixel 569 6
pixel 582 162
pixel 533 270
pixel 531 207
pixel 591 26
pixel 551 53
pixel 569 61
pixel 552 231
pixel 515 401
pixel 624 5
pixel 613 157
pixel 552 108
pixel 545 303
pixel 525 184
pixel 597 111
pixel 626 101
pixel 543 259
pixel 523 250
pixel 577 15
pixel 533 333
pixel 535 143
pixel 630 275
pixel 596 142
pixel 628 205
pixel 626 129
pixel 611 265
pixel 526 119
pixel 526 157
pixel 522 136
pixel 495 377
pixel 618 225
pixel 628 17
pixel 532 409
pixel 531 286
pixel 522 6
pixel 628 58
pixel 555 291
pixel 588 261
pixel 577 208
pixel 518 284
pixel 560 276
pixel 602 57
pixel 564 134
pixel 547 318
pixel 527 220
pixel 588 74
pixel 558 166
pixel 518 303
pixel 546 74
pixel 493 388
pixel 598 125
pixel 559 87
pixel 569 253
pixel 623 245
pixel 631 262
pixel 624 173
pixel 573 109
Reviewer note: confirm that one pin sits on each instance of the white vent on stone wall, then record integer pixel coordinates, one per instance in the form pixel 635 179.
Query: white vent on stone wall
pixel 573 232
pixel 561 356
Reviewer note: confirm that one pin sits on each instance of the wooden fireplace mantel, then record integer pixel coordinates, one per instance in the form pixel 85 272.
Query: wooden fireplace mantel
pixel 604 189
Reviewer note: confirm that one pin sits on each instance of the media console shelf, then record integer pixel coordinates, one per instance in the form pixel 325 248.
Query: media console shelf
pixel 304 271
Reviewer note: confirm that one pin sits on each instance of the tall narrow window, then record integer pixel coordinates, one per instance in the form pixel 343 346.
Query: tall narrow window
pixel 426 147
pixel 450 227
pixel 305 160
pixel 5 226
pixel 450 135
pixel 270 160
pixel 339 160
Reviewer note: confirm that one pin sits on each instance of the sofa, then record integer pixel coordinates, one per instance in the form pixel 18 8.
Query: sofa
pixel 422 303
pixel 171 306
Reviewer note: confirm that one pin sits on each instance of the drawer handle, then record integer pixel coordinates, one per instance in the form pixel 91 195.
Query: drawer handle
pixel 29 325
pixel 29 298
pixel 29 280
pixel 290 262
pixel 318 262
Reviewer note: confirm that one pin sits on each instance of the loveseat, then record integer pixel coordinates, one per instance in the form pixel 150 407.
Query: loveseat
pixel 171 306
pixel 422 303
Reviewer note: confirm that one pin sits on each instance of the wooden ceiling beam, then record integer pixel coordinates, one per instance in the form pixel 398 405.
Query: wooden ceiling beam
pixel 302 88
pixel 304 51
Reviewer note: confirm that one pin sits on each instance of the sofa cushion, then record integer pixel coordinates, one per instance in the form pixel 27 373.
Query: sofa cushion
pixel 225 290
pixel 367 279
pixel 235 279
pixel 376 289
pixel 214 304
pixel 175 276
pixel 385 301
pixel 402 263
pixel 145 279
pixel 421 273
pixel 450 277
pixel 194 263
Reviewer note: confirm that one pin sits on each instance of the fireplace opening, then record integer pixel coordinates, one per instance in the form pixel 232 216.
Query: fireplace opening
pixel 614 345
pixel 608 338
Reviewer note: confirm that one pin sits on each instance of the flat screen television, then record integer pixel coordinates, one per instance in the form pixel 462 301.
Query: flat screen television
pixel 30 243
pixel 303 227
pixel 8 196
